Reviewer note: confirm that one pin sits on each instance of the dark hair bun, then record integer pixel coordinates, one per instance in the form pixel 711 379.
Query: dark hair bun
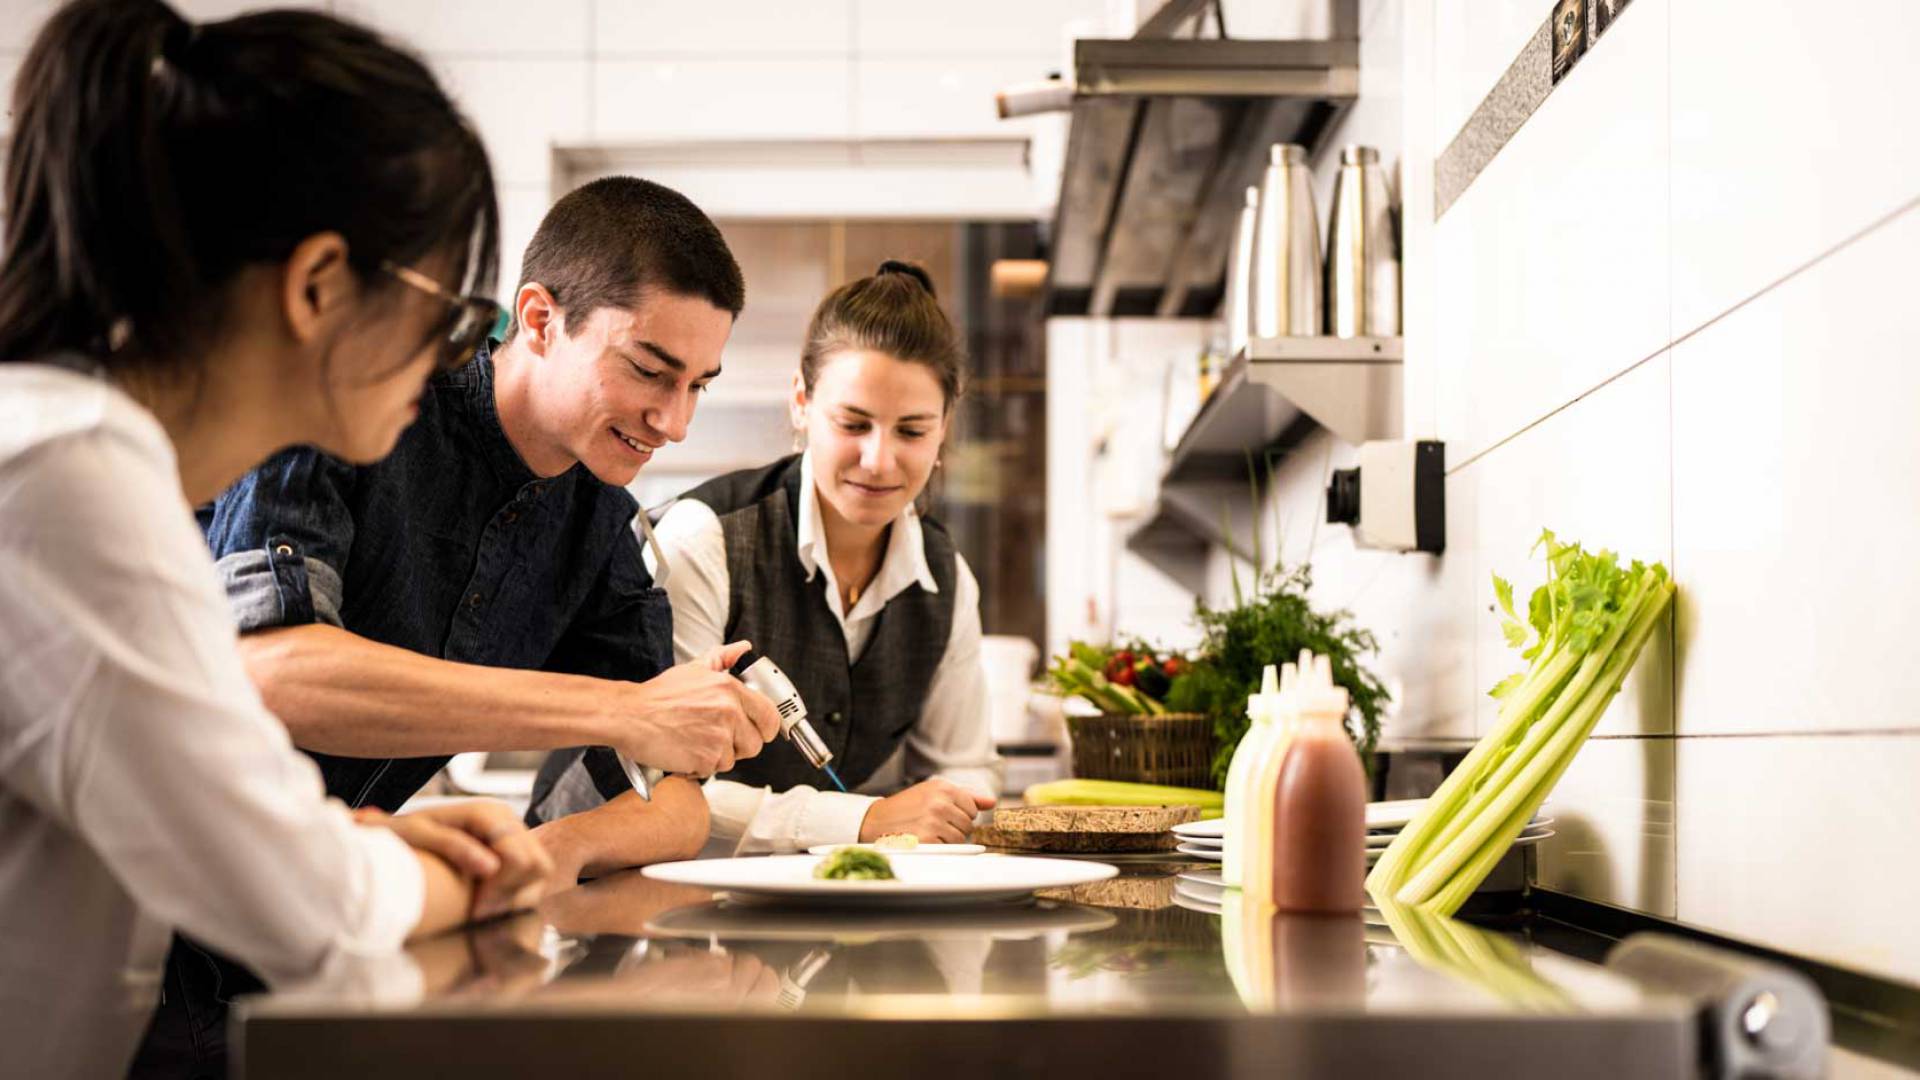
pixel 919 274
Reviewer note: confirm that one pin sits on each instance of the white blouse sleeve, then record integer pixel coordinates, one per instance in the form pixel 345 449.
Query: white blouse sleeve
pixel 126 714
pixel 746 820
pixel 954 738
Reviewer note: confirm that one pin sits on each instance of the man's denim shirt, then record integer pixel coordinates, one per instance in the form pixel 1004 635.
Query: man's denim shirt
pixel 450 547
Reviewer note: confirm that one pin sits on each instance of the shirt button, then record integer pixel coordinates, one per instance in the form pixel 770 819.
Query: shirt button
pixel 509 517
pixel 833 718
pixel 474 600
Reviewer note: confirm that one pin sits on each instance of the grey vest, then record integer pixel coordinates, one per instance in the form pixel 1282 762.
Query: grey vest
pixel 863 710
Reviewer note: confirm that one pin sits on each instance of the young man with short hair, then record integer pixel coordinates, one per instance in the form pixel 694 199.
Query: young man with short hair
pixel 480 589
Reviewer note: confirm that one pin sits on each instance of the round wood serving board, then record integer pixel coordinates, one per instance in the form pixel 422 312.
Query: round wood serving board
pixel 1085 828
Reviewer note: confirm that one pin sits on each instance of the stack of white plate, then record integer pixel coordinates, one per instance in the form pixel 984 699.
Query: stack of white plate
pixel 1206 839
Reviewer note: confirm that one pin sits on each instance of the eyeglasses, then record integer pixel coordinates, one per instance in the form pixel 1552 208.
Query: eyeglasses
pixel 468 322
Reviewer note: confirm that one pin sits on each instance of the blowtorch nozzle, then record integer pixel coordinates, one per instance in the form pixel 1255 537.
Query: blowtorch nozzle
pixel 764 675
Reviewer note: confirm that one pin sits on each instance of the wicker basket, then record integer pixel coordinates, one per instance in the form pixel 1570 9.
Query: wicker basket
pixel 1175 749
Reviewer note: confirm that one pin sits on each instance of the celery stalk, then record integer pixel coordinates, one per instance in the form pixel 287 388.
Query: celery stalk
pixel 1496 786
pixel 1390 871
pixel 1588 623
pixel 1489 835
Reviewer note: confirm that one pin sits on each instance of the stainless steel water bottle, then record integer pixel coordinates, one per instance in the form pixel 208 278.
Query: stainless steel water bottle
pixel 1286 260
pixel 1240 276
pixel 1363 250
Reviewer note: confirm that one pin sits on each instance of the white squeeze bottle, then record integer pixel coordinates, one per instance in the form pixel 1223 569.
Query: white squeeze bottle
pixel 1256 815
pixel 1261 711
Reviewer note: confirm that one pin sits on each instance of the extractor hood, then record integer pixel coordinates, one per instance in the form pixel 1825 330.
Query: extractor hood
pixel 1166 134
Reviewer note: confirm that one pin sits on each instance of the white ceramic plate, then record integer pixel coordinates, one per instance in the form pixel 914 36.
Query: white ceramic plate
pixel 1526 839
pixel 1199 889
pixel 919 882
pixel 1386 818
pixel 1380 815
pixel 1211 854
pixel 1194 902
pixel 775 922
pixel 923 849
pixel 1212 829
pixel 1531 834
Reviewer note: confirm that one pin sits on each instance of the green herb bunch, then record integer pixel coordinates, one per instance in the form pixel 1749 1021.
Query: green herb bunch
pixel 1271 626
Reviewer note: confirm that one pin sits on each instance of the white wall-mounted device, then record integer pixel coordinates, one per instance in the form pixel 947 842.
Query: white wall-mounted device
pixel 1396 498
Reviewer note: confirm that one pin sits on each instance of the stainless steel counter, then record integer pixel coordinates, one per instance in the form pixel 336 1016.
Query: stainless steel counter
pixel 1139 974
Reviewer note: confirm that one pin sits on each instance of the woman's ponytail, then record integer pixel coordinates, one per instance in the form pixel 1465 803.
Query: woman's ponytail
pixel 95 237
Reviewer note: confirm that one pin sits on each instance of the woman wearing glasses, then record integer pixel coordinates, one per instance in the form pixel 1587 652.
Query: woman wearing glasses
pixel 218 244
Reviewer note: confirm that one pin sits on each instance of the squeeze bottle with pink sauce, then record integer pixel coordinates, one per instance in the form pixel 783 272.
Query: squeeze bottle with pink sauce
pixel 1319 804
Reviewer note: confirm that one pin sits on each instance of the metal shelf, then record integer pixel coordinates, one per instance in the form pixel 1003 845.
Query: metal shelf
pixel 1275 393
pixel 1165 137
pixel 1350 386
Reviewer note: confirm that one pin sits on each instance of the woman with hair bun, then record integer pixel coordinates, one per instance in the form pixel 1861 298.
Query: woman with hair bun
pixel 822 561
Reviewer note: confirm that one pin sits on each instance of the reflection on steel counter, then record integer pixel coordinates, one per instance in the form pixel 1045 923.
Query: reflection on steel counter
pixel 702 986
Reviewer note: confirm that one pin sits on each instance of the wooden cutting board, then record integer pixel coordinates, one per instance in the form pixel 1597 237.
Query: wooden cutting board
pixel 1085 828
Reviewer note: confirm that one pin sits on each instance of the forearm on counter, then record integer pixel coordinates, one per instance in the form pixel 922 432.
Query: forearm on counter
pixel 448 897
pixel 340 693
pixel 631 831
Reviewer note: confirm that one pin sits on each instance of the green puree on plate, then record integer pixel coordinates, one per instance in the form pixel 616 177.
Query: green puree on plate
pixel 855 864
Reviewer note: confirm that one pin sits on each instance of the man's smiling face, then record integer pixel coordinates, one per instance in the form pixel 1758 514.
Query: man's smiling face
pixel 625 383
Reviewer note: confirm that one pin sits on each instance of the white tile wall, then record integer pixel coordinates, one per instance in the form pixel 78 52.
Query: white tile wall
pixel 1420 609
pixel 20 20
pixel 1794 514
pixel 478 27
pixel 522 109
pixel 1093 583
pixel 1754 777
pixel 1805 844
pixel 1598 473
pixel 1613 816
pixel 521 208
pixel 1421 376
pixel 1549 288
pixel 1479 41
pixel 937 95
pixel 9 67
pixel 724 28
pixel 721 99
pixel 1787 144
pixel 627 71
pixel 991 28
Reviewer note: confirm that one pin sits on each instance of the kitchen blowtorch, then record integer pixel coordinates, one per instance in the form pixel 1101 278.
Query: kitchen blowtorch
pixel 765 676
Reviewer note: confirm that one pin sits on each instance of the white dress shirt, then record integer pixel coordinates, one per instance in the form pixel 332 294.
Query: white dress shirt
pixel 952 738
pixel 143 785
